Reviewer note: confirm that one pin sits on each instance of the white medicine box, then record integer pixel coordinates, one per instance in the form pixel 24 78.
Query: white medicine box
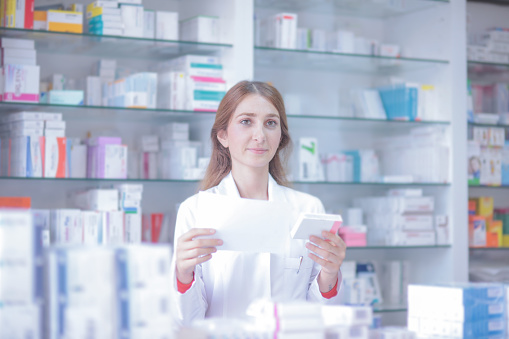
pixel 200 28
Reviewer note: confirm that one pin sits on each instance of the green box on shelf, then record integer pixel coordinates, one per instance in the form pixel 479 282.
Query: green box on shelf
pixel 503 214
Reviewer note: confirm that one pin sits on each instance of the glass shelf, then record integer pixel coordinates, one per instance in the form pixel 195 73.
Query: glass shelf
pixel 111 46
pixel 359 8
pixel 343 62
pixel 479 68
pixel 395 247
pixel 476 124
pixel 195 181
pixel 488 248
pixel 488 186
pixel 136 114
pixel 389 308
pixel 103 180
pixel 379 121
pixel 72 112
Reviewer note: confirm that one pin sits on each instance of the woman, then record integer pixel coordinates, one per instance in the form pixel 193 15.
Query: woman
pixel 250 137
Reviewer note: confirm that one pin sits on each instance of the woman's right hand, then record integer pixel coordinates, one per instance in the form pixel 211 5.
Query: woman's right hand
pixel 191 252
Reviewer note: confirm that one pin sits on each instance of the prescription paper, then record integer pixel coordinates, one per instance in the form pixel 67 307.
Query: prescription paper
pixel 246 225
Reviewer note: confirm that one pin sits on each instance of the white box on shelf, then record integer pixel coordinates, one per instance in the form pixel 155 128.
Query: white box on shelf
pixel 94 91
pixel 113 227
pixel 310 168
pixel 20 83
pixel 65 226
pixel 132 17
pixel 149 24
pixel 97 200
pixel 17 43
pixel 167 25
pixel 200 29
pixel 347 315
pixel 77 159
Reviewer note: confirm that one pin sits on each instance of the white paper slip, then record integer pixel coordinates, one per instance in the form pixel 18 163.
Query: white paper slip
pixel 245 225
pixel 313 224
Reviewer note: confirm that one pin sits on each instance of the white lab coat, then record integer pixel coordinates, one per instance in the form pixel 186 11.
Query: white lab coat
pixel 225 285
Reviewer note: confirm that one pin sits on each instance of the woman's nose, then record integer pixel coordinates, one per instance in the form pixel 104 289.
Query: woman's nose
pixel 259 133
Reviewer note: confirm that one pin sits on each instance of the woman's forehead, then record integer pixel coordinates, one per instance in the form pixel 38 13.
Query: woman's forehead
pixel 257 105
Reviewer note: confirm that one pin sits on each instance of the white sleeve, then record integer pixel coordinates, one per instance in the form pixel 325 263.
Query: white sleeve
pixel 314 293
pixel 192 304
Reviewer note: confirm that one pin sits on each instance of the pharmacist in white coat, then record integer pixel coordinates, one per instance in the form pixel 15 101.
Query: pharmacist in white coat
pixel 249 137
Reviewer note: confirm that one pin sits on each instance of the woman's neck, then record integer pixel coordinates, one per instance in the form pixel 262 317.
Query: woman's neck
pixel 252 183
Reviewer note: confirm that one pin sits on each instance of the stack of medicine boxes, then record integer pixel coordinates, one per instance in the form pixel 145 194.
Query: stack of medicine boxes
pixel 103 18
pixel 33 144
pixel 19 74
pixel 119 292
pixel 457 311
pixel 21 275
pixel 194 83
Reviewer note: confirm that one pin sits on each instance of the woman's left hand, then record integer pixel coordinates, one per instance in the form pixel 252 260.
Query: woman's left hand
pixel 333 252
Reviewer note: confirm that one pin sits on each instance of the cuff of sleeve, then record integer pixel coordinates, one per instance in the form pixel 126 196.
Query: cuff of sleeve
pixel 182 288
pixel 332 293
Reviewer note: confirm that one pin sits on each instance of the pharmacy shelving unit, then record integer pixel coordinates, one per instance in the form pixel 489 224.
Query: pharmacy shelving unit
pixel 482 16
pixel 74 55
pixel 317 79
pixel 314 84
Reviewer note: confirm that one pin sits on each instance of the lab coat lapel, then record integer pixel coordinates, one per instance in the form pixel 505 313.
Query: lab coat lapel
pixel 228 187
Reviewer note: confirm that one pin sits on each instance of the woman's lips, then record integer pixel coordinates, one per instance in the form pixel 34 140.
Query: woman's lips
pixel 257 150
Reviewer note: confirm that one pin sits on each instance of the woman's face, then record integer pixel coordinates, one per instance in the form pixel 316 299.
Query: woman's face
pixel 253 134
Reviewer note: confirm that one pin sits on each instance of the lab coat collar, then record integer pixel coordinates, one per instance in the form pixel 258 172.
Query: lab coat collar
pixel 228 187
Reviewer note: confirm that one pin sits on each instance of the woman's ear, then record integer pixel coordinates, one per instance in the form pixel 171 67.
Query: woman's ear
pixel 222 136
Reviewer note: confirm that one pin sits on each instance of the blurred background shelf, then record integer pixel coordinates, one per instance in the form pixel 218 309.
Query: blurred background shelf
pixel 358 8
pixel 339 62
pixel 111 46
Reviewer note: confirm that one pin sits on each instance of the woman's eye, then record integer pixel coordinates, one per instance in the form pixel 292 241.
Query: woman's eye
pixel 272 123
pixel 244 121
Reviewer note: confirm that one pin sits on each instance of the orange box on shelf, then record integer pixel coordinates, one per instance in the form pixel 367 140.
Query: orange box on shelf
pixel 492 239
pixel 485 206
pixel 65 21
pixel 40 20
pixel 497 227
pixel 477 231
pixel 15 202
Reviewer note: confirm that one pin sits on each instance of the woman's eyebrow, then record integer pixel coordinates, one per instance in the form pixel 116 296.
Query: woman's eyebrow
pixel 270 115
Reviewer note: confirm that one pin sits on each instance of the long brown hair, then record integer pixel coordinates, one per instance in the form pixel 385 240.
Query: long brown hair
pixel 220 161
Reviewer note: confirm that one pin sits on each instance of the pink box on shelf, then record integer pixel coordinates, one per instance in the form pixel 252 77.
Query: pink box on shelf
pixel 353 236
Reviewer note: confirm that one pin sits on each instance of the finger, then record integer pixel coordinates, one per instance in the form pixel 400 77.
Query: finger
pixel 326 255
pixel 324 263
pixel 326 245
pixel 199 260
pixel 194 232
pixel 197 252
pixel 199 243
pixel 336 239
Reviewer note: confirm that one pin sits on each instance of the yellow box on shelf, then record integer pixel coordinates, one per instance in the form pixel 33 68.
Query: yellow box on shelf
pixel 65 21
pixel 101 4
pixel 10 13
pixel 505 240
pixel 485 206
